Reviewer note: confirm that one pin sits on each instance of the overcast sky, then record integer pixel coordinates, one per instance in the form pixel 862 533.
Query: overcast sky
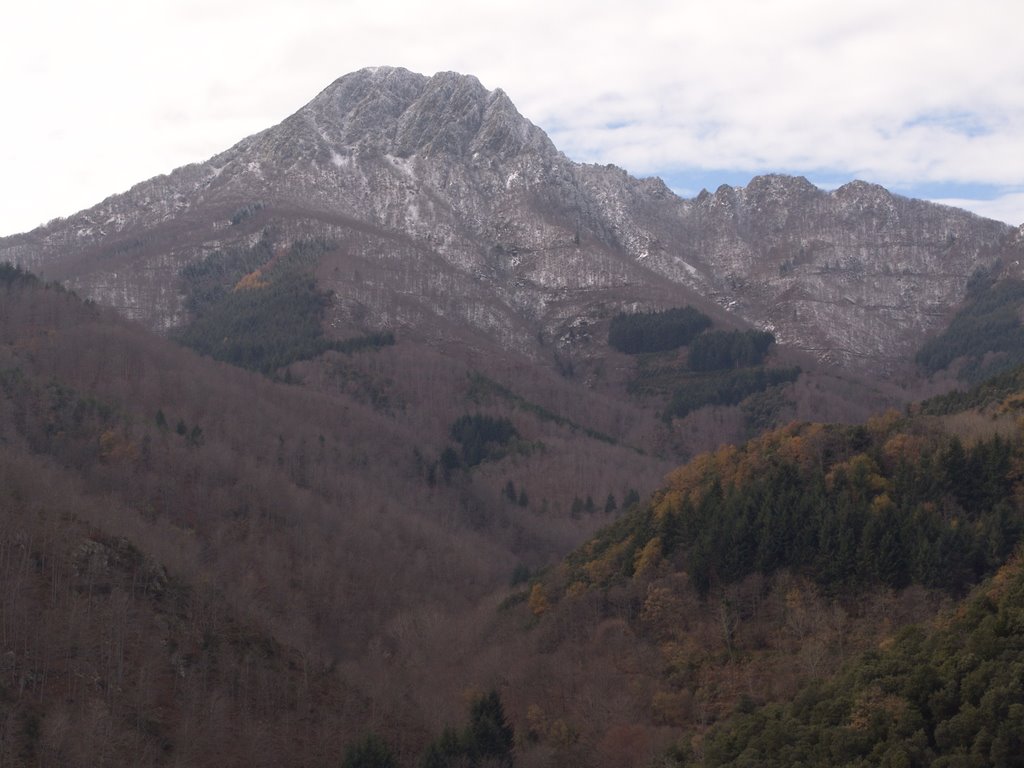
pixel 923 96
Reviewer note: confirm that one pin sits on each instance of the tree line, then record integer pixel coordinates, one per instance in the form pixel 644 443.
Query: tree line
pixel 728 387
pixel 661 331
pixel 723 367
pixel 718 350
pixel 988 324
pixel 944 696
pixel 847 507
pixel 486 740
pixel 262 310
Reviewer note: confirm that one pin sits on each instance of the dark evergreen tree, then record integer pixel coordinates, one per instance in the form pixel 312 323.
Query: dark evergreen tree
pixel 449 463
pixel 610 505
pixel 489 738
pixel 369 752
pixel 447 751
pixel 717 350
pixel 656 331
pixel 577 507
pixel 482 437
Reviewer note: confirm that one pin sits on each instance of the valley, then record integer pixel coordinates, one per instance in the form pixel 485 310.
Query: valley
pixel 390 433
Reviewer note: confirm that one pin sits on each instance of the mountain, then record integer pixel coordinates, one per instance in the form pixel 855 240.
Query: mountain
pixel 192 549
pixel 204 566
pixel 450 211
pixel 396 453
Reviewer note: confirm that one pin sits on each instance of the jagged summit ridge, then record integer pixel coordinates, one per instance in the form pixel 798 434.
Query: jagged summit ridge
pixel 402 113
pixel 391 111
pixel 383 144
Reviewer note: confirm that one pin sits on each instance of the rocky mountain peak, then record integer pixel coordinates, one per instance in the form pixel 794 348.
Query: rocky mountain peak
pixel 862 190
pixel 779 186
pixel 398 112
pixel 466 213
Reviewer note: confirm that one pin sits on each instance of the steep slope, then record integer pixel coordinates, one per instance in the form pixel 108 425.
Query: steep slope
pixel 946 693
pixel 857 275
pixel 452 211
pixel 313 559
pixel 364 525
pixel 201 565
pixel 739 590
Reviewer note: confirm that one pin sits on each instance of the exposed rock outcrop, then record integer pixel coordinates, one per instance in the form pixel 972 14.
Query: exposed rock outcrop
pixel 449 208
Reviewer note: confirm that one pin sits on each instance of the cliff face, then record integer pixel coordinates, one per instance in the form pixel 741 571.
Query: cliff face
pixel 451 210
pixel 856 275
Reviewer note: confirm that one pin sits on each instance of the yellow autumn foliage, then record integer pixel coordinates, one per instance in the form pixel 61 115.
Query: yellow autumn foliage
pixel 562 735
pixel 538 602
pixel 576 589
pixel 601 569
pixel 251 281
pixel 1012 404
pixel 903 447
pixel 882 505
pixel 884 423
pixel 536 722
pixel 861 469
pixel 115 446
pixel 648 559
pixel 666 503
pixel 733 466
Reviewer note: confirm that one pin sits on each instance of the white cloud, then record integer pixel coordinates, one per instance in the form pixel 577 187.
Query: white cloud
pixel 1008 208
pixel 112 92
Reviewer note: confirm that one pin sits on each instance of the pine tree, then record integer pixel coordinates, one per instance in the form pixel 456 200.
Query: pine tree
pixel 488 735
pixel 370 752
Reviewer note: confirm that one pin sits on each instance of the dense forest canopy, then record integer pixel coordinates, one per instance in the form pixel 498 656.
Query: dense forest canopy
pixel 948 695
pixel 772 604
pixel 656 331
pixel 716 350
pixel 772 554
pixel 986 333
pixel 847 506
pixel 728 387
pixel 260 308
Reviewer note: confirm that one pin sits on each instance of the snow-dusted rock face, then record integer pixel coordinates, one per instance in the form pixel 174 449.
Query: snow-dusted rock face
pixel 857 274
pixel 449 208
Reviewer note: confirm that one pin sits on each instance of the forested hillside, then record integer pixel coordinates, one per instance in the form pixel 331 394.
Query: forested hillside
pixel 262 310
pixel 986 336
pixel 451 451
pixel 760 571
pixel 890 504
pixel 201 565
pixel 941 694
pixel 323 560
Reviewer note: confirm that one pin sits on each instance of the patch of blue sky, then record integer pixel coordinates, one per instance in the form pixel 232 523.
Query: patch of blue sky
pixel 1004 203
pixel 689 183
pixel 961 123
